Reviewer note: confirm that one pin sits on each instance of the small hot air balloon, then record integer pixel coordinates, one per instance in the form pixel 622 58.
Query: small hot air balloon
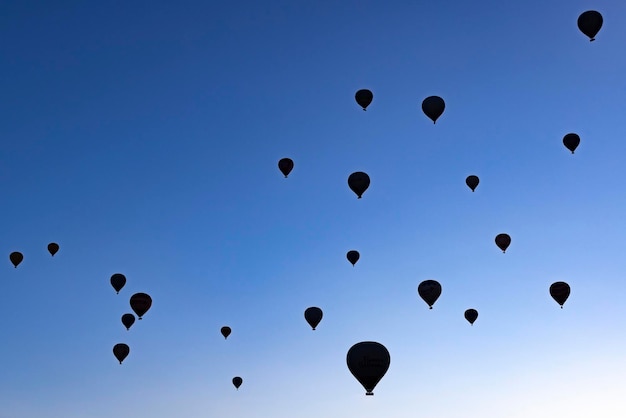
pixel 472 182
pixel 368 361
pixel 571 142
pixel 590 23
pixel 225 331
pixel 237 381
pixel 433 107
pixel 120 351
pixel 53 247
pixel 128 319
pixel 359 182
pixel 16 258
pixel 313 316
pixel 140 303
pixel 353 256
pixel 503 241
pixel 429 290
pixel 559 292
pixel 118 281
pixel 471 315
pixel 364 97
pixel 285 165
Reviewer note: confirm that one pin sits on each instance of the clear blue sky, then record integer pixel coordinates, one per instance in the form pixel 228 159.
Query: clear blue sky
pixel 144 137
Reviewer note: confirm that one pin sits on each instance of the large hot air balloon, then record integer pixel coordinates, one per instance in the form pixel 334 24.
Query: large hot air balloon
pixel 429 290
pixel 237 381
pixel 368 361
pixel 364 97
pixel 353 256
pixel 118 281
pixel 590 23
pixel 472 182
pixel 571 142
pixel 359 182
pixel 433 107
pixel 128 319
pixel 559 292
pixel 53 247
pixel 120 351
pixel 313 316
pixel 140 303
pixel 285 165
pixel 16 258
pixel 225 331
pixel 503 241
pixel 471 315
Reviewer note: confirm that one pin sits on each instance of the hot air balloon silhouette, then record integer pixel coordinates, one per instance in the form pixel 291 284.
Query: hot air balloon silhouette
pixel 313 316
pixel 53 247
pixel 364 97
pixel 471 315
pixel 353 256
pixel 571 142
pixel 285 165
pixel 225 331
pixel 128 319
pixel 503 241
pixel 368 361
pixel 120 351
pixel 237 381
pixel 359 182
pixel 118 281
pixel 559 292
pixel 433 107
pixel 16 258
pixel 472 182
pixel 140 303
pixel 429 290
pixel 590 23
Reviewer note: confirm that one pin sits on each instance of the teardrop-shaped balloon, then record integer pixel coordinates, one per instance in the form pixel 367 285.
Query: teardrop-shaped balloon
pixel 503 241
pixel 359 182
pixel 237 381
pixel 471 315
pixel 472 182
pixel 368 361
pixel 140 303
pixel 590 23
pixel 433 107
pixel 225 331
pixel 313 316
pixel 364 97
pixel 16 258
pixel 120 351
pixel 571 142
pixel 353 256
pixel 53 248
pixel 128 319
pixel 118 281
pixel 559 292
pixel 429 290
pixel 285 165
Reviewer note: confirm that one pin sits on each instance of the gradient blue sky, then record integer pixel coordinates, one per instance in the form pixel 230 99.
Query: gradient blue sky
pixel 143 137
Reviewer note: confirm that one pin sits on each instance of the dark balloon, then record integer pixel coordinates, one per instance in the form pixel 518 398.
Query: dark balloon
pixel 225 331
pixel 433 107
pixel 313 316
pixel 472 182
pixel 471 315
pixel 237 381
pixel 353 256
pixel 590 23
pixel 429 290
pixel 571 142
pixel 559 292
pixel 359 182
pixel 53 247
pixel 503 241
pixel 368 361
pixel 285 166
pixel 128 319
pixel 140 303
pixel 118 281
pixel 364 98
pixel 16 258
pixel 120 351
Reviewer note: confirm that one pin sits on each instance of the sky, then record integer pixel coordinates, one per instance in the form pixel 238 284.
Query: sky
pixel 144 137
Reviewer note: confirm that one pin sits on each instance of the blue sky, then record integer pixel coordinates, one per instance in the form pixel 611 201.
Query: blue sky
pixel 144 137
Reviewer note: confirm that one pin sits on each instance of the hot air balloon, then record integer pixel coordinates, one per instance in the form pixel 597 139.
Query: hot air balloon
pixel 225 331
pixel 433 107
pixel 118 281
pixel 559 292
pixel 16 258
pixel 471 315
pixel 590 23
pixel 285 165
pixel 140 303
pixel 120 351
pixel 359 182
pixel 313 316
pixel 364 97
pixel 429 290
pixel 503 241
pixel 368 361
pixel 472 182
pixel 53 247
pixel 128 319
pixel 353 256
pixel 571 142
pixel 237 381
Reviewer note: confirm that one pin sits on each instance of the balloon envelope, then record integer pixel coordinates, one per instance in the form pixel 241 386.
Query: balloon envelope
pixel 472 182
pixel 120 351
pixel 471 315
pixel 433 107
pixel 313 316
pixel 353 256
pixel 128 319
pixel 368 361
pixel 590 23
pixel 225 331
pixel 429 290
pixel 118 281
pixel 503 241
pixel 571 142
pixel 285 166
pixel 16 258
pixel 53 247
pixel 237 381
pixel 140 303
pixel 359 182
pixel 364 97
pixel 559 292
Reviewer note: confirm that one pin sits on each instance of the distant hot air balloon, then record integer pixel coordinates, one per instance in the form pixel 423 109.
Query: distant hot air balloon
pixel 128 319
pixel 429 290
pixel 368 361
pixel 237 381
pixel 472 182
pixel 503 241
pixel 590 23
pixel 559 292
pixel 16 258
pixel 571 142
pixel 53 247
pixel 353 256
pixel 471 315
pixel 118 281
pixel 313 316
pixel 225 331
pixel 120 351
pixel 285 165
pixel 359 182
pixel 364 97
pixel 433 107
pixel 140 303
